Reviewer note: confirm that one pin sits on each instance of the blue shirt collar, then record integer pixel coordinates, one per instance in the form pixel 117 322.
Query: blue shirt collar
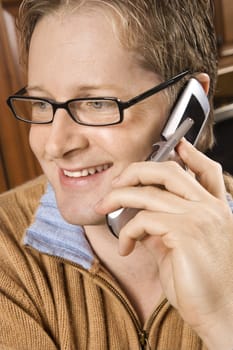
pixel 52 235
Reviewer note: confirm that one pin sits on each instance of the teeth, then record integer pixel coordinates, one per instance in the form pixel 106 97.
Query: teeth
pixel 92 171
pixel 99 168
pixel 73 174
pixel 86 172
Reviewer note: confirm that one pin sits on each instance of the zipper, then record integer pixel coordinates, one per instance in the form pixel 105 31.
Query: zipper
pixel 154 315
pixel 143 339
pixel 143 334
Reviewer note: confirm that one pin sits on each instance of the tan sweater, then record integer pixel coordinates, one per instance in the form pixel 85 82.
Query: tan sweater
pixel 47 303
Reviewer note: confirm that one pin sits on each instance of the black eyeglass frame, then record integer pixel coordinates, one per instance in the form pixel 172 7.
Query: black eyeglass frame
pixel 122 105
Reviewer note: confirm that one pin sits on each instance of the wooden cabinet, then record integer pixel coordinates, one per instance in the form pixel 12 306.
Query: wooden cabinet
pixel 17 163
pixel 224 30
pixel 11 6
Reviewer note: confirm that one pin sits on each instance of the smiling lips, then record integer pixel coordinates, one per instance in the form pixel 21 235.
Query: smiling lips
pixel 86 172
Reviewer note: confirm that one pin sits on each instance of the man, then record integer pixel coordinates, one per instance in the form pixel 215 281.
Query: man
pixel 167 282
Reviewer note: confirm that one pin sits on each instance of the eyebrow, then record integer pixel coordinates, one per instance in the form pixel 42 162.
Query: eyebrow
pixel 35 88
pixel 78 90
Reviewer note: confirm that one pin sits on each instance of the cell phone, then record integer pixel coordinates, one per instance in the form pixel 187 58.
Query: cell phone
pixel 191 103
pixel 187 118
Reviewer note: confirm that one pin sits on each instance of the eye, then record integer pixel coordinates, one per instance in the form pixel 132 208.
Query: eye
pixel 95 111
pixel 101 105
pixel 40 105
pixel 41 110
pixel 95 104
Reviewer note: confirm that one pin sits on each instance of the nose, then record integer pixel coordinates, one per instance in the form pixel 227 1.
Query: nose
pixel 65 137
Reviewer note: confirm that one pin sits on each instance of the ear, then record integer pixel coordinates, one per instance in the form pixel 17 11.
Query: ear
pixel 204 79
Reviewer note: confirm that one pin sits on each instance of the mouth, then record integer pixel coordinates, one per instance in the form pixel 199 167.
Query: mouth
pixel 86 171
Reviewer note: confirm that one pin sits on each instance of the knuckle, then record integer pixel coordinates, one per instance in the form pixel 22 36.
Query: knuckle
pixel 215 166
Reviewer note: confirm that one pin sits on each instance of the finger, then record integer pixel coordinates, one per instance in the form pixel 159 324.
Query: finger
pixel 167 226
pixel 167 174
pixel 208 172
pixel 144 197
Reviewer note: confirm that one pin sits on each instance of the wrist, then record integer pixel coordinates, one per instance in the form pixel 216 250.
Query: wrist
pixel 218 334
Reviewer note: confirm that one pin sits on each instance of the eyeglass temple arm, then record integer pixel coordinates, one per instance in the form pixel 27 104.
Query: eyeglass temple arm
pixel 156 89
pixel 21 91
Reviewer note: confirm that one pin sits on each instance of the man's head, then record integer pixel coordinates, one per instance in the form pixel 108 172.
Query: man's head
pixel 94 49
pixel 166 36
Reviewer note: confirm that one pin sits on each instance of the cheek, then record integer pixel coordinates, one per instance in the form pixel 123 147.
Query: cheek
pixel 36 140
pixel 132 140
pixel 141 132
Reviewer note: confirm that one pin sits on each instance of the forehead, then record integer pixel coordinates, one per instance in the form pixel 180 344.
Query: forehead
pixel 70 29
pixel 81 46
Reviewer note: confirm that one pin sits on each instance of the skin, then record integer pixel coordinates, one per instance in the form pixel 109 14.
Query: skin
pixel 181 243
pixel 81 57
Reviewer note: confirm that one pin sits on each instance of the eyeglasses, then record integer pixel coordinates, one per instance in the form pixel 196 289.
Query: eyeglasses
pixel 91 111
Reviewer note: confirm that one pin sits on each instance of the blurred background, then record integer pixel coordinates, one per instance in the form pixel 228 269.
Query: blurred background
pixel 17 163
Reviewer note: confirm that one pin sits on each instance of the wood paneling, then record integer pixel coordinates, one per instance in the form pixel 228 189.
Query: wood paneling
pixel 11 6
pixel 17 163
pixel 224 26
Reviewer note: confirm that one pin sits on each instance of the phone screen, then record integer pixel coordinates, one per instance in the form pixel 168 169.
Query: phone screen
pixel 195 112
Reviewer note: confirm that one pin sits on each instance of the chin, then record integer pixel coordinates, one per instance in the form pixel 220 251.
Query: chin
pixel 80 218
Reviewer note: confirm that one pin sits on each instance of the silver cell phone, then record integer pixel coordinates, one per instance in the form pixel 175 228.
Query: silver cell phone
pixel 187 119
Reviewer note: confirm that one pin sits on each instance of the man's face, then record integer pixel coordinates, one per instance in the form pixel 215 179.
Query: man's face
pixel 74 56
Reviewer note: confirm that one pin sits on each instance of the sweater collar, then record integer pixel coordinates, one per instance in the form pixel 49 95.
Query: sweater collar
pixel 52 235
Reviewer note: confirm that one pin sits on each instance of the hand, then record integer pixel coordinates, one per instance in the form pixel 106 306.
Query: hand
pixel 188 227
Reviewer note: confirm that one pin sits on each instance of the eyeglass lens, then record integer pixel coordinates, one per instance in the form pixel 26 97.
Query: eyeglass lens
pixel 95 112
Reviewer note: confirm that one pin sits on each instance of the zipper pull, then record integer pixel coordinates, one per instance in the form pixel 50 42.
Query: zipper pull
pixel 143 339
